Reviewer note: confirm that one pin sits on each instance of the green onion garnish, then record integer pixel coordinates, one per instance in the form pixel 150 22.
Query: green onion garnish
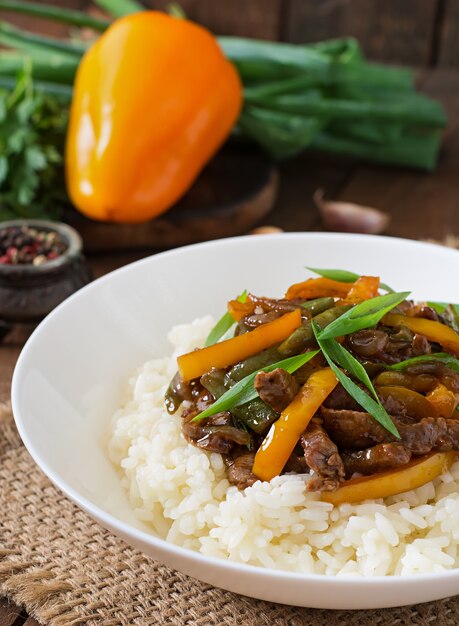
pixel 244 390
pixel 363 315
pixel 333 351
pixel 343 276
pixel 223 325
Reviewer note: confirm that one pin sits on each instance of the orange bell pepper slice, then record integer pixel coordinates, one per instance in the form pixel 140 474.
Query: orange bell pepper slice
pixel 318 288
pixel 443 401
pixel 283 435
pixel 226 353
pixel 364 288
pixel 238 310
pixel 433 331
pixel 385 484
pixel 415 403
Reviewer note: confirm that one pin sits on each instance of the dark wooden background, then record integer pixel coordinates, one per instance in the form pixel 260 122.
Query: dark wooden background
pixel 422 33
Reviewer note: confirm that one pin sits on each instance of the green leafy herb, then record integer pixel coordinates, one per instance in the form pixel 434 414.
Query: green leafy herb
pixel 363 315
pixel 439 307
pixel 343 276
pixel 445 358
pixel 224 324
pixel 244 391
pixel 32 134
pixel 375 409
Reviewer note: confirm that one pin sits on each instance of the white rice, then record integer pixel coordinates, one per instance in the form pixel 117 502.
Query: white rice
pixel 183 494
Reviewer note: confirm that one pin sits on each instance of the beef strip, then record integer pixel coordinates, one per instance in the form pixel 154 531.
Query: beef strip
pixel 276 388
pixel 387 345
pixel 357 430
pixel 240 470
pixel 340 399
pixel 383 456
pixel 322 457
pixel 215 438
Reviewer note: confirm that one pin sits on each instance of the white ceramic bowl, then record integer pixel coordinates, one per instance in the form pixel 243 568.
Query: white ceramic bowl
pixel 70 374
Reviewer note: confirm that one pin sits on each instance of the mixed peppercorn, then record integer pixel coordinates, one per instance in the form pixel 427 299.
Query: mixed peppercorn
pixel 20 245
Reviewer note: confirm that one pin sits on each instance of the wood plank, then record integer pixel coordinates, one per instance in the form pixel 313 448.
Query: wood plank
pixel 9 613
pixel 448 54
pixel 421 205
pixel 400 32
pixel 257 18
pixel 299 178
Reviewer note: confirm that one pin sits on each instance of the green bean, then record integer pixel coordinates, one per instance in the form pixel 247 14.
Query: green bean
pixel 256 414
pixel 256 362
pixel 318 305
pixel 303 337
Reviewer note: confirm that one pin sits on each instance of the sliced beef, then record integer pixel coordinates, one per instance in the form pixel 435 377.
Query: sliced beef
pixel 354 429
pixel 357 430
pixel 276 388
pixel 387 345
pixel 383 456
pixel 257 319
pixel 222 439
pixel 322 456
pixel 240 470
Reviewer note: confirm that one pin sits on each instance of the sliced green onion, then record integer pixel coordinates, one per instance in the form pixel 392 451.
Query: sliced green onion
pixel 244 391
pixel 375 409
pixel 343 276
pixel 363 315
pixel 224 324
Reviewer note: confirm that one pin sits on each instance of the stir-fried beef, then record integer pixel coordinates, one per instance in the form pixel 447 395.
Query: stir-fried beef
pixel 340 399
pixel 445 375
pixel 388 345
pixel 354 429
pixel 357 430
pixel 341 440
pixel 222 439
pixel 322 457
pixel 240 470
pixel 257 319
pixel 276 388
pixel 383 456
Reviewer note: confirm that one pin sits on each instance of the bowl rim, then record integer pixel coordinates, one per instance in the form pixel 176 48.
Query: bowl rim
pixel 70 235
pixel 109 521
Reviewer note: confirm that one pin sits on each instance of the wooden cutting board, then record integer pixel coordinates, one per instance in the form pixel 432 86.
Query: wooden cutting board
pixel 234 192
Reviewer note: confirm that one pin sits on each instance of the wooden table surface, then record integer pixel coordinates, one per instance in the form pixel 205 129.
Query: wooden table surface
pixel 421 206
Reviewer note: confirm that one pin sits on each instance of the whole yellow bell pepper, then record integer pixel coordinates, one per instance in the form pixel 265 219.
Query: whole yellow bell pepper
pixel 154 99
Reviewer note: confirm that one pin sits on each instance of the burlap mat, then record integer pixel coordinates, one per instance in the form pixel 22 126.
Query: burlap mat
pixel 64 569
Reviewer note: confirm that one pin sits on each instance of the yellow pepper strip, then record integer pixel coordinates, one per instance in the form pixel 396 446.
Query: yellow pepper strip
pixel 415 403
pixel 433 331
pixel 238 310
pixel 318 288
pixel 283 435
pixel 385 484
pixel 226 353
pixel 364 288
pixel 443 401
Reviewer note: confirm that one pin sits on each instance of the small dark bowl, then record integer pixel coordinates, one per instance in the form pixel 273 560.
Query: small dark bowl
pixel 29 292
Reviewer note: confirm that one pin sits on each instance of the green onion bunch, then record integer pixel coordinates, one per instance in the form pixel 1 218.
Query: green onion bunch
pixel 323 96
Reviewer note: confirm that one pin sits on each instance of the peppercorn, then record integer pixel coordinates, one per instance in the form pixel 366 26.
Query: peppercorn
pixel 20 245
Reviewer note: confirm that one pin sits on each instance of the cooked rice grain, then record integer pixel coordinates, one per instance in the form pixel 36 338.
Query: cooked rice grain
pixel 183 494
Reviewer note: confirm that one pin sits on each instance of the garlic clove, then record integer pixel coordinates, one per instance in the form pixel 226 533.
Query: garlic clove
pixel 350 218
